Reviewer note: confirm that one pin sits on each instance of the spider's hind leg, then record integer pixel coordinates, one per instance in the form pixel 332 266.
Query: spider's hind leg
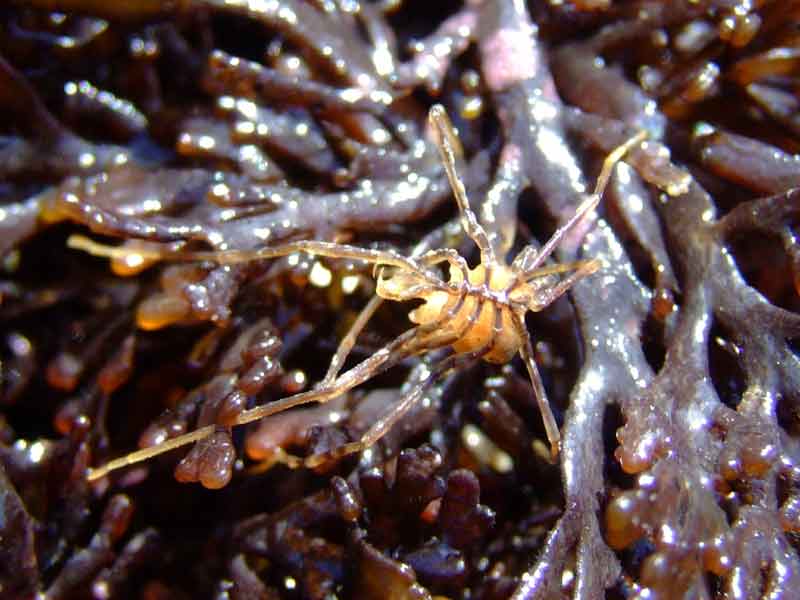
pixel 349 340
pixel 549 421
pixel 402 347
pixel 387 420
pixel 451 151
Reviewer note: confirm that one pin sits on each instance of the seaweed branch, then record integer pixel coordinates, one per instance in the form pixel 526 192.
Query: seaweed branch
pixel 202 125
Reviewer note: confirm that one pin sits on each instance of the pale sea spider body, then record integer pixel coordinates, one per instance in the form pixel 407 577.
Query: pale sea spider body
pixel 478 313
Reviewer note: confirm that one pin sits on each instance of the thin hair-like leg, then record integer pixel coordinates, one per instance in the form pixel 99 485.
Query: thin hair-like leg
pixel 613 158
pixel 526 352
pixel 408 344
pixel 439 255
pixel 557 268
pixel 429 258
pixel 450 150
pixel 225 257
pixel 529 258
pixel 389 418
pixel 94 473
pixel 349 340
pixel 585 268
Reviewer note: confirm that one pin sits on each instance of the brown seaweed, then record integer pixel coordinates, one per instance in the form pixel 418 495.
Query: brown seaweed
pixel 211 125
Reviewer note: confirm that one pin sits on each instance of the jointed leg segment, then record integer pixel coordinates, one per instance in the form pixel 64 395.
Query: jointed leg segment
pixel 529 259
pixel 550 425
pixel 386 421
pixel 349 340
pixel 450 150
pixel 582 269
pixel 225 257
pixel 404 346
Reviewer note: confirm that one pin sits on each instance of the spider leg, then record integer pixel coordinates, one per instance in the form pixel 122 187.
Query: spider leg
pixel 405 345
pixel 556 268
pixel 450 150
pixel 529 258
pixel 525 256
pixel 349 340
pixel 310 247
pixel 613 158
pixel 433 335
pixel 583 269
pixel 526 352
pixel 450 255
pixel 149 452
pixel 429 258
pixel 389 418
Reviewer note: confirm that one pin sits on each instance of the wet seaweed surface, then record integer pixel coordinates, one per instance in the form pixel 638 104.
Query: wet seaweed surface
pixel 238 124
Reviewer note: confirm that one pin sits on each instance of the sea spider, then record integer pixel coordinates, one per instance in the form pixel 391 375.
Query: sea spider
pixel 479 313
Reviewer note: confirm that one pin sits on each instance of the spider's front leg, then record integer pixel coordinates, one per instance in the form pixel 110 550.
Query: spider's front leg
pixel 228 257
pixel 450 150
pixel 581 269
pixel 349 340
pixel 529 258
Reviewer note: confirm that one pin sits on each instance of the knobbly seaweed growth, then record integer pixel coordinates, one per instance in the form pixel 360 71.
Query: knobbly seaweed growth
pixel 204 124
